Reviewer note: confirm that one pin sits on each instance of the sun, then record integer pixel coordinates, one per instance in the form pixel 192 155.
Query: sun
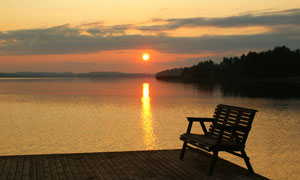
pixel 146 57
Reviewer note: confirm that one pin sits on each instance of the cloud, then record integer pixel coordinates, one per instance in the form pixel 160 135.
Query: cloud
pixel 287 17
pixel 66 39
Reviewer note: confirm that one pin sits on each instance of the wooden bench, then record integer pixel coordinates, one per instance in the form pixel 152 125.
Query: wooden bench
pixel 228 132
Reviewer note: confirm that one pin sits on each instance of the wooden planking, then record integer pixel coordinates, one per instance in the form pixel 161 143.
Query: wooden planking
pixel 12 168
pixel 52 167
pixel 244 119
pixel 232 121
pixel 39 168
pixel 118 162
pixel 243 115
pixel 32 167
pixel 108 166
pixel 145 169
pixel 2 163
pixel 26 168
pixel 231 115
pixel 46 167
pixel 99 168
pixel 59 167
pixel 91 164
pixel 5 169
pixel 114 167
pixel 173 166
pixel 160 164
pixel 89 172
pixel 79 168
pixel 222 106
pixel 130 166
pixel 108 171
pixel 19 170
pixel 71 164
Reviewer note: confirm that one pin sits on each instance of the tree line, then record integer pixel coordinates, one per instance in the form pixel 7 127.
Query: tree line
pixel 280 62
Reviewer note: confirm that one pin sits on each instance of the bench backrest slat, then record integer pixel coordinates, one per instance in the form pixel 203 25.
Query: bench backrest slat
pixel 232 115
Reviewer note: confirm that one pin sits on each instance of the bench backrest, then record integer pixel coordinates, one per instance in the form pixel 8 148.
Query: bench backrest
pixel 232 115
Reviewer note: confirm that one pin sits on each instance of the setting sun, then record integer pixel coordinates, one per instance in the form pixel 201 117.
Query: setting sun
pixel 146 57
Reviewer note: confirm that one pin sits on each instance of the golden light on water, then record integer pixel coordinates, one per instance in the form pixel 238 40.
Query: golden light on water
pixel 146 90
pixel 147 121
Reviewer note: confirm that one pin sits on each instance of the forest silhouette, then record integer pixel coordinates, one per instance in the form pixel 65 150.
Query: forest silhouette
pixel 281 62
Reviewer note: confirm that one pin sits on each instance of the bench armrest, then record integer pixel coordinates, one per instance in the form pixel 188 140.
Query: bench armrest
pixel 199 119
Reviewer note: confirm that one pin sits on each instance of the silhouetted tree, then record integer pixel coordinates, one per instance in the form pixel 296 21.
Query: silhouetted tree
pixel 276 63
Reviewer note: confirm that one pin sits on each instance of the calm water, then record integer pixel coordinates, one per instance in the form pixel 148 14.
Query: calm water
pixel 41 116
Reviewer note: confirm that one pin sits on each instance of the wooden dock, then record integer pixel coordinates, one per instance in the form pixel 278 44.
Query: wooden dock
pixel 160 164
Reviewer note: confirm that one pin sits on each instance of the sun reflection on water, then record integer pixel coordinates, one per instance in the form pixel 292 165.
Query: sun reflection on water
pixel 146 117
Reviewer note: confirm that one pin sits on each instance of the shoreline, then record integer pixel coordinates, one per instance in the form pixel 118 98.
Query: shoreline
pixel 282 80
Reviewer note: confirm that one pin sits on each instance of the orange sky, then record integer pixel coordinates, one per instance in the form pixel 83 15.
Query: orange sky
pixel 123 61
pixel 85 36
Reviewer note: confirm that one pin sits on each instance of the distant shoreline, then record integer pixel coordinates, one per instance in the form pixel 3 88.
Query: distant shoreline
pixel 74 75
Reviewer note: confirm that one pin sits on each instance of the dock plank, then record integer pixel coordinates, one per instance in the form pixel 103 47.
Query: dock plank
pixel 46 168
pixel 149 169
pixel 5 169
pixel 106 166
pixel 79 168
pixel 132 165
pixel 173 167
pixel 93 167
pixel 137 168
pixel 39 168
pixel 72 166
pixel 89 172
pixel 19 170
pixel 26 168
pixel 66 167
pixel 12 168
pixel 60 170
pixel 32 167
pixel 52 167
pixel 2 163
pixel 103 171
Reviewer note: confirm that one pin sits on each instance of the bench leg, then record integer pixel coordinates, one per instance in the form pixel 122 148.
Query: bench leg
pixel 183 150
pixel 213 162
pixel 247 161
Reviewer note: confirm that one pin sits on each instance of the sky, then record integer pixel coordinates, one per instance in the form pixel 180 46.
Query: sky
pixel 94 35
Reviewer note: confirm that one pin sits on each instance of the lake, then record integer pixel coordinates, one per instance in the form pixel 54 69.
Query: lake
pixel 41 116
